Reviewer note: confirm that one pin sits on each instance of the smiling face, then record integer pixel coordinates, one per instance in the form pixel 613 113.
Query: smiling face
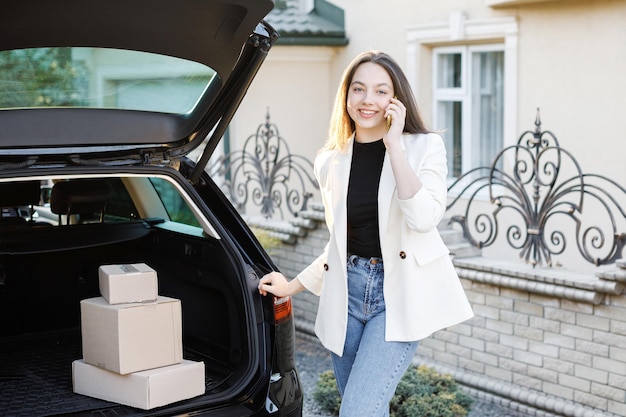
pixel 369 94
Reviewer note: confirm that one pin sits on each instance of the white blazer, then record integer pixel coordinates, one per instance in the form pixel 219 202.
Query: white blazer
pixel 422 291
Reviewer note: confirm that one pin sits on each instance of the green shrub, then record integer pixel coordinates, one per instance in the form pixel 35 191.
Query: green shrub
pixel 421 392
pixel 326 393
pixel 266 240
pixel 426 393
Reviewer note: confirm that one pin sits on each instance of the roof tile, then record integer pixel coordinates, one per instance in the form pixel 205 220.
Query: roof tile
pixel 318 27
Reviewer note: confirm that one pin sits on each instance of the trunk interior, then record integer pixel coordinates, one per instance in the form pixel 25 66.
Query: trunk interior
pixel 40 291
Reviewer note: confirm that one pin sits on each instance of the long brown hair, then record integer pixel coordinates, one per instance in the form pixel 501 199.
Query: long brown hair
pixel 342 126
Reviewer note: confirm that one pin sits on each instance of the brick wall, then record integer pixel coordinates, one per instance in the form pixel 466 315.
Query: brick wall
pixel 546 341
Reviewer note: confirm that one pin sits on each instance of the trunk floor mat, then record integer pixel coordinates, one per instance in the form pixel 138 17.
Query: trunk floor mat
pixel 36 376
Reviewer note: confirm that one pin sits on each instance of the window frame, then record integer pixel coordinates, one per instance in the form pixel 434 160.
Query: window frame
pixel 457 30
pixel 462 94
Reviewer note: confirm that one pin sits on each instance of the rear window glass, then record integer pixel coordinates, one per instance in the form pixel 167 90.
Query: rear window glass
pixel 176 207
pixel 100 78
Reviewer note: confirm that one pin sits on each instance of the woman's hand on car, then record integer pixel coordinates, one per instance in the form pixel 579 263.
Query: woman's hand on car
pixel 275 283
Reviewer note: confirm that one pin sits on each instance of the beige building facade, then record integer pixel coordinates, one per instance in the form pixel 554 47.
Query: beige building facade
pixel 566 57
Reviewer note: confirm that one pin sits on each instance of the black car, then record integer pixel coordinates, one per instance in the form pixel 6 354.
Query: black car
pixel 101 105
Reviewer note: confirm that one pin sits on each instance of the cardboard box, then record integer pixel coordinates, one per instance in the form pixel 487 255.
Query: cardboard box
pixel 145 389
pixel 132 337
pixel 130 283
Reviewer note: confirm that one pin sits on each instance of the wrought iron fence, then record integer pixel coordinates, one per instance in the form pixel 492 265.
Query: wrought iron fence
pixel 264 174
pixel 540 197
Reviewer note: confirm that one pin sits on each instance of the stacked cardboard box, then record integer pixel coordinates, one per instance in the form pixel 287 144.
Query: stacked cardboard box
pixel 132 343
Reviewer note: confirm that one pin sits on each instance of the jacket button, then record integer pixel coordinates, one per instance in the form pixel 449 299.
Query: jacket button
pixel 325 267
pixel 402 254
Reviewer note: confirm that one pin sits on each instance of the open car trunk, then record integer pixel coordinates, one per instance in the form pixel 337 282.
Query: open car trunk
pixel 106 102
pixel 46 269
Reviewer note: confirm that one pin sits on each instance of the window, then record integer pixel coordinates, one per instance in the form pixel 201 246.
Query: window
pixel 176 207
pixel 101 77
pixel 468 103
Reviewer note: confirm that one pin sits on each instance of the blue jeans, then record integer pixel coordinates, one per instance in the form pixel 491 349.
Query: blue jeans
pixel 369 371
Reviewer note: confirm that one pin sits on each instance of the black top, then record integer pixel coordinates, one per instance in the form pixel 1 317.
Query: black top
pixel 367 164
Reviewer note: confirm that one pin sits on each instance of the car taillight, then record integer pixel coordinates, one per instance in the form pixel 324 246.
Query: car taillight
pixel 282 309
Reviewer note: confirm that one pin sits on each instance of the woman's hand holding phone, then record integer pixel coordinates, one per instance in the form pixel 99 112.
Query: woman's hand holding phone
pixel 395 114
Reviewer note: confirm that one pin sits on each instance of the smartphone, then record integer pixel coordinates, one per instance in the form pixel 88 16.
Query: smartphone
pixel 389 117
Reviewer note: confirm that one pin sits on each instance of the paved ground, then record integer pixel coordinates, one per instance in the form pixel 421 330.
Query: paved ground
pixel 312 359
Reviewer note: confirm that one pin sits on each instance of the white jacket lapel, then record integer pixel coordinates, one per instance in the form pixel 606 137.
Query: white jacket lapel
pixel 341 176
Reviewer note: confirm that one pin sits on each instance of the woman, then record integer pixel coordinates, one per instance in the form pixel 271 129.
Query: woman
pixel 385 279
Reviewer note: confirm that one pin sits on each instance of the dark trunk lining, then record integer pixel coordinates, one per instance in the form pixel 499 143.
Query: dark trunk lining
pixel 39 302
pixel 36 376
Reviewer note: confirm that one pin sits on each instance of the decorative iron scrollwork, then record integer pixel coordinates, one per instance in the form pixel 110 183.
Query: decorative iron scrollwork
pixel 543 191
pixel 265 174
